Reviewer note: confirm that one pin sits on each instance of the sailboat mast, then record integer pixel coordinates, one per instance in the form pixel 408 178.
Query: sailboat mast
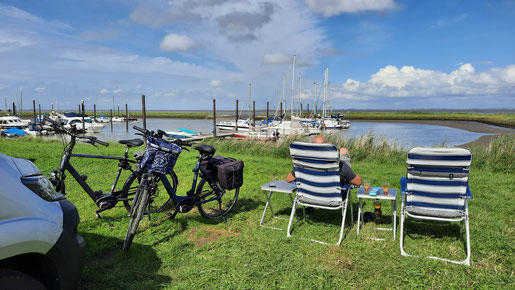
pixel 250 98
pixel 300 96
pixel 283 96
pixel 316 97
pixel 325 92
pixel 292 86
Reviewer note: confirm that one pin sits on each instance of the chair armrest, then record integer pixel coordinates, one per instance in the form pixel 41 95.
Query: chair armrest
pixel 469 194
pixel 403 185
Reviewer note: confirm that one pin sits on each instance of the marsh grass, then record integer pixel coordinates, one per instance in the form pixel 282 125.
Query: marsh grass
pixel 192 252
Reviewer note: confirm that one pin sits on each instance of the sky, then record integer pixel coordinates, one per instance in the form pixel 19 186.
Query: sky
pixel 181 54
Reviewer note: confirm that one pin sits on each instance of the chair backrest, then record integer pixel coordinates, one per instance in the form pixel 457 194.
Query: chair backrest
pixel 317 173
pixel 437 181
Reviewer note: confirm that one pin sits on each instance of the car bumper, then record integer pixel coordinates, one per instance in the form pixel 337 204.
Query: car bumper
pixel 68 254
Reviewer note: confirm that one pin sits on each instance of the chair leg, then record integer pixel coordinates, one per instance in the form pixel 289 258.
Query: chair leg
pixel 351 209
pixel 292 215
pixel 401 238
pixel 344 212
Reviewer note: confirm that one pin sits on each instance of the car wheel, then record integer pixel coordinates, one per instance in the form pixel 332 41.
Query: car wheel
pixel 10 279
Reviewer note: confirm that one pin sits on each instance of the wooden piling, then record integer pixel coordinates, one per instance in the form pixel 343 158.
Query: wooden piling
pixel 237 117
pixel 52 107
pixel 40 115
pixel 281 110
pixel 253 113
pixel 34 110
pixel 214 117
pixel 83 113
pixel 14 109
pixel 267 112
pixel 309 113
pixel 111 120
pixel 301 110
pixel 95 112
pixel 144 112
pixel 126 117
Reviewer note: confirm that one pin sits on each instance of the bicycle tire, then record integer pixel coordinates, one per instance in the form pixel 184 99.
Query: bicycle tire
pixel 141 204
pixel 159 203
pixel 211 209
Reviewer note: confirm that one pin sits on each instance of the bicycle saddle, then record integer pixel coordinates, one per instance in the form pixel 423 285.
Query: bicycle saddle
pixel 205 149
pixel 131 142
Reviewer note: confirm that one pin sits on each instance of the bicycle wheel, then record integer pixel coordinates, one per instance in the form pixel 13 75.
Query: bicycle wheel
pixel 214 205
pixel 140 204
pixel 161 198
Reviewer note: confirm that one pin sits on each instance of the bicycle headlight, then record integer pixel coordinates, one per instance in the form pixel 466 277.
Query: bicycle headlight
pixel 41 186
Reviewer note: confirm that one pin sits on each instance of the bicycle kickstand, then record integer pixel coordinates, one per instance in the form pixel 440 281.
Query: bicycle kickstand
pixel 171 216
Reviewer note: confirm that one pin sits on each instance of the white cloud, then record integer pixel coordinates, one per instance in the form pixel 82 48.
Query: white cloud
pixel 334 7
pixel 93 35
pixel 176 42
pixel 117 91
pixel 215 83
pixel 9 41
pixel 410 82
pixel 276 58
pixel 440 23
pixel 103 91
pixel 41 89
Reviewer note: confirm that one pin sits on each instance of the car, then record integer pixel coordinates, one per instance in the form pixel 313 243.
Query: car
pixel 39 244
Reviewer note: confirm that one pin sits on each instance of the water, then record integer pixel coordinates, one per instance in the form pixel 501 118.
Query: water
pixel 404 134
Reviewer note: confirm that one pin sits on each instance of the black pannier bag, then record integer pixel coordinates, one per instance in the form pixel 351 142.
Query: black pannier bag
pixel 228 171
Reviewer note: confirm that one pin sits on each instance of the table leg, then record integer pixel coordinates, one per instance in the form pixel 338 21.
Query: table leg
pixel 266 207
pixel 394 212
pixel 360 209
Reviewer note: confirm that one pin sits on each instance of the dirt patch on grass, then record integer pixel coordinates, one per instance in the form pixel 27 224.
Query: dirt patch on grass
pixel 205 235
pixel 334 258
pixel 101 258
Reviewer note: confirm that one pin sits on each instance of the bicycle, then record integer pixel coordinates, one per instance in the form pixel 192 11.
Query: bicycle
pixel 208 196
pixel 104 201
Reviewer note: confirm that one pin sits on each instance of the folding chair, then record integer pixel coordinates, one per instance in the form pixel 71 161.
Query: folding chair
pixel 317 175
pixel 436 189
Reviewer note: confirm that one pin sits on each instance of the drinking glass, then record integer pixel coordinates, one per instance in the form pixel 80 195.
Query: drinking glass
pixel 367 185
pixel 386 185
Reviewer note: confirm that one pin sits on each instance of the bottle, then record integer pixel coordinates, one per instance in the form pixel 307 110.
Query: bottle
pixel 377 212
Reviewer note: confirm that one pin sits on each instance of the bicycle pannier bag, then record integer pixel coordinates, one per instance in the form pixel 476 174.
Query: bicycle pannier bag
pixel 230 173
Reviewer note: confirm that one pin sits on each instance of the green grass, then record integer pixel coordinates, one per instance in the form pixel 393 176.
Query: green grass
pixel 193 252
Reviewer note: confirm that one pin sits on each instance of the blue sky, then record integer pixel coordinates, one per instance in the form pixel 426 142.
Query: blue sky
pixel 381 54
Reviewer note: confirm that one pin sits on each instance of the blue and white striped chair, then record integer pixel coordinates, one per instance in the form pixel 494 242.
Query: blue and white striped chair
pixel 317 175
pixel 436 189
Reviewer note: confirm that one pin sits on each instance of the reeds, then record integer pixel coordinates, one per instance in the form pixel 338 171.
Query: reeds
pixel 499 156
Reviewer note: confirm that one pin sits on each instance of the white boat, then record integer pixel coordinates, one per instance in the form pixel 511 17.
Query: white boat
pixel 294 127
pixel 260 135
pixel 7 122
pixel 181 133
pixel 118 119
pixel 35 129
pixel 243 125
pixel 72 119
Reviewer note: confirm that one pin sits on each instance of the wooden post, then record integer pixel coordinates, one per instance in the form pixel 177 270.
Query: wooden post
pixel 79 108
pixel 267 112
pixel 52 107
pixel 95 112
pixel 83 112
pixel 40 116
pixel 144 112
pixel 14 109
pixel 237 116
pixel 118 110
pixel 34 110
pixel 301 110
pixel 253 113
pixel 111 120
pixel 126 118
pixel 214 117
pixel 309 113
pixel 281 110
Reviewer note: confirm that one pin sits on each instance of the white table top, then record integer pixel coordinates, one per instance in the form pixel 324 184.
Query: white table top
pixel 280 186
pixel 392 194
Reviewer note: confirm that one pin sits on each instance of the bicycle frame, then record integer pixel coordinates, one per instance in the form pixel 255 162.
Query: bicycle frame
pixel 66 165
pixel 180 199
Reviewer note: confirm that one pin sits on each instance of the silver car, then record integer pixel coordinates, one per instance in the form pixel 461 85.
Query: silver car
pixel 39 244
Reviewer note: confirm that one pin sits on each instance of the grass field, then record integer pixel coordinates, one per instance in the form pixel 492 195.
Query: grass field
pixel 193 252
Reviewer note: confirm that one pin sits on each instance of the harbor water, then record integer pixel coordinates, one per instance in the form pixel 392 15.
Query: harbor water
pixel 403 134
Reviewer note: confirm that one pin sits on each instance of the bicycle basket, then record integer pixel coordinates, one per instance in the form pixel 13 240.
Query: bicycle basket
pixel 160 161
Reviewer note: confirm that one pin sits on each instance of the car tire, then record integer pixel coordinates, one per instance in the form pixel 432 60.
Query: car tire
pixel 10 279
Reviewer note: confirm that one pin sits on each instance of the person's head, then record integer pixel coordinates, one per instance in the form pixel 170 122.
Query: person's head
pixel 319 139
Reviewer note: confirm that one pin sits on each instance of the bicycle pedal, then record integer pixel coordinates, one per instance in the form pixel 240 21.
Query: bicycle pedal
pixel 97 215
pixel 170 216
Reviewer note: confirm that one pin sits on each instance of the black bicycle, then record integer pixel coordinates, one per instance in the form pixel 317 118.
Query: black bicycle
pixel 106 201
pixel 208 196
